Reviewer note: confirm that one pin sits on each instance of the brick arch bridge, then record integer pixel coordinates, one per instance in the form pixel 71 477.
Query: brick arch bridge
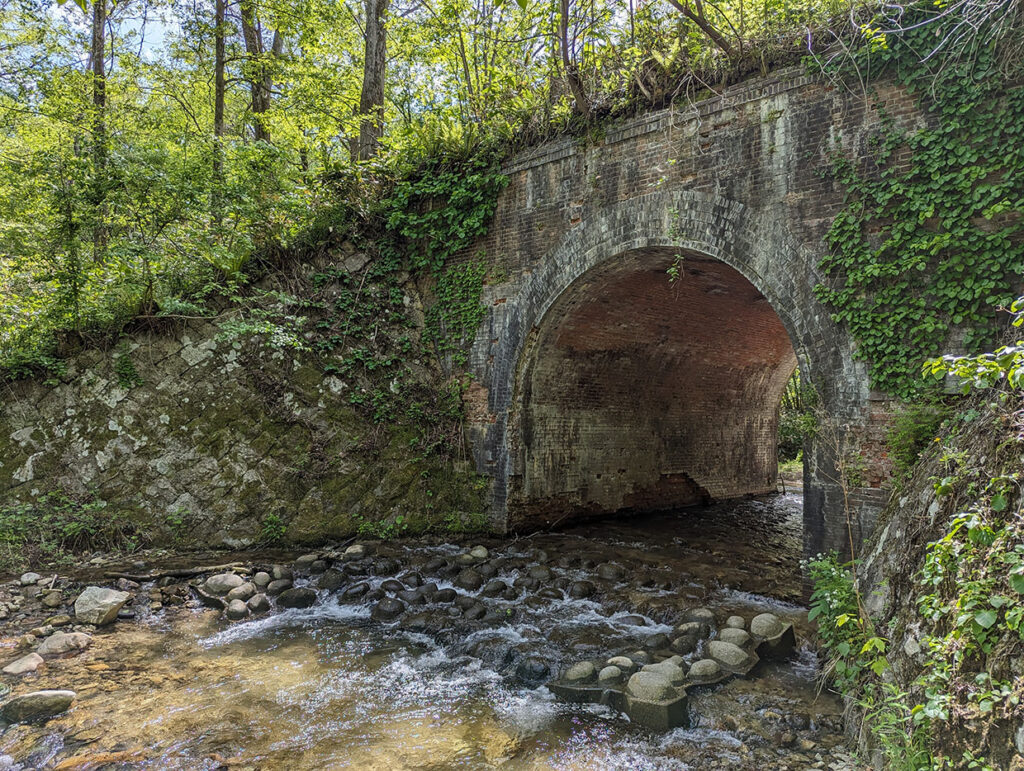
pixel 601 386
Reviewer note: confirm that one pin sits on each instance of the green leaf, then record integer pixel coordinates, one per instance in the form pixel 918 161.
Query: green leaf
pixel 986 618
pixel 1017 582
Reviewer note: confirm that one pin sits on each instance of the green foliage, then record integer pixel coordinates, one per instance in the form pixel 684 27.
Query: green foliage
pixel 452 321
pixel 913 430
pixel 57 526
pixel 124 368
pixel 858 665
pixel 987 370
pixel 932 234
pixel 438 210
pixel 797 420
pixel 272 529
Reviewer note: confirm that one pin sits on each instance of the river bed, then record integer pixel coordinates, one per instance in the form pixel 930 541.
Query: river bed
pixel 330 686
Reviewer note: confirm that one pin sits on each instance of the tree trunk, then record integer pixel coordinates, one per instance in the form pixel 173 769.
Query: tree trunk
pixel 98 193
pixel 371 99
pixel 572 73
pixel 217 182
pixel 259 74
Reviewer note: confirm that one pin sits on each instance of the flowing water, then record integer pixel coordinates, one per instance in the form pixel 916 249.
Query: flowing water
pixel 330 687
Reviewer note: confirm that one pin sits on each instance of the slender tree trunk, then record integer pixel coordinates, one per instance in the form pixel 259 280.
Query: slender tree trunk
pixel 217 182
pixel 260 76
pixel 572 72
pixel 699 18
pixel 371 98
pixel 99 129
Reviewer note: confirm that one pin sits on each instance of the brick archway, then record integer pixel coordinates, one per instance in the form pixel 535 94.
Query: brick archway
pixel 753 256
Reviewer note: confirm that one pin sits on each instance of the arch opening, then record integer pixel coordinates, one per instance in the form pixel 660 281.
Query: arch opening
pixel 637 393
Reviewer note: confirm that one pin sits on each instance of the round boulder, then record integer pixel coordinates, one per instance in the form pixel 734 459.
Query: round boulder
pixel 670 670
pixel 258 603
pixel 625 664
pixel 39 705
pixel 736 622
pixel 387 609
pixel 331 580
pixel 99 606
pixel 767 625
pixel 737 637
pixel 237 610
pixel 278 585
pixel 650 686
pixel 728 655
pixel 582 672
pixel 297 597
pixel 469 579
pixel 243 592
pixel 222 583
pixel 580 590
pixel 610 675
pixel 705 669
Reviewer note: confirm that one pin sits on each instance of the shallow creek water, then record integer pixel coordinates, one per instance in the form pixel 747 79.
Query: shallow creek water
pixel 328 687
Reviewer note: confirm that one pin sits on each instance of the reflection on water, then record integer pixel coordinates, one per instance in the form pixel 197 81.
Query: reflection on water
pixel 328 687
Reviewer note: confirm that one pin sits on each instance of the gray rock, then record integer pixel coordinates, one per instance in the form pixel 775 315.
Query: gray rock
pixel 243 592
pixel 52 599
pixel 737 637
pixel 99 606
pixel 479 553
pixel 388 609
pixel 356 551
pixel 24 665
pixel 610 675
pixel 657 642
pixel 222 583
pixel 670 670
pixel 532 669
pixel 736 622
pixel 540 573
pixel 237 610
pixel 331 580
pixel 298 597
pixel 262 579
pixel 28 579
pixel 609 571
pixel 580 590
pixel 64 642
pixel 38 705
pixel 700 615
pixel 650 686
pixel 277 586
pixel 582 672
pixel 684 644
pixel 728 655
pixel 705 669
pixel 258 603
pixel 767 625
pixel 693 628
pixel 303 562
pixel 493 588
pixel 625 664
pixel 469 579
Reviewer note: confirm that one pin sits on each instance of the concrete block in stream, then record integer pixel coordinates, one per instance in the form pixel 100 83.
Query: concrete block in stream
pixel 776 639
pixel 659 705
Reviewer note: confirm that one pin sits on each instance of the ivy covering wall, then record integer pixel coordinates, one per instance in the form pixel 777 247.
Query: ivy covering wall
pixel 931 239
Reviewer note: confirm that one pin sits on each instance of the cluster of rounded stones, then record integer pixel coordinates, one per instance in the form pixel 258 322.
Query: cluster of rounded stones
pixel 246 593
pixel 651 688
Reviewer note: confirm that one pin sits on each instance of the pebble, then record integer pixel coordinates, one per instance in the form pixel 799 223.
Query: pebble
pixel 28 579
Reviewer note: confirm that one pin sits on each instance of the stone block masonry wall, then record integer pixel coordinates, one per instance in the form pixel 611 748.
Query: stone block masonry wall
pixel 737 179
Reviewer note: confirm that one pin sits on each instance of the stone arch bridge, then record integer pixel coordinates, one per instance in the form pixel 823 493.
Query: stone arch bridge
pixel 601 386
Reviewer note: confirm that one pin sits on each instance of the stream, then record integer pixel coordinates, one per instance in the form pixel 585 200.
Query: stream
pixel 335 686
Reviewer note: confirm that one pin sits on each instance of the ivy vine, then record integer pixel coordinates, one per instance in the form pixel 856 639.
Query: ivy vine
pixel 931 237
